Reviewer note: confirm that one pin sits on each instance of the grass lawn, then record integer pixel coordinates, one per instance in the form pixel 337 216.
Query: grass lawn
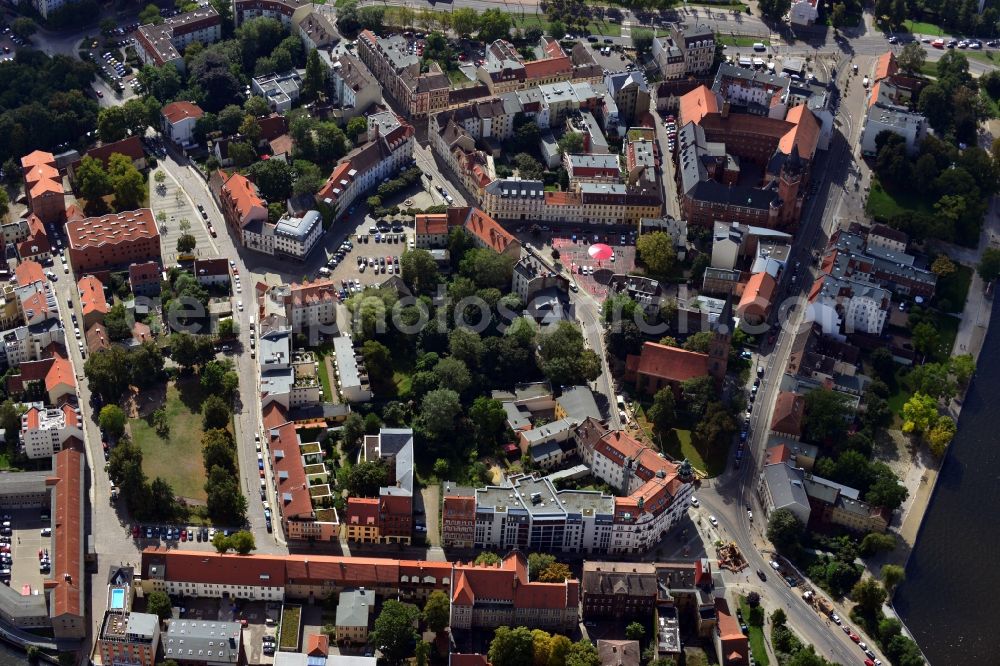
pixel 883 205
pixel 289 637
pixel 678 446
pixel 736 40
pixel 178 457
pixel 540 21
pixel 920 28
pixel 954 289
pixel 929 69
pixel 947 328
pixel 757 647
pixel 898 399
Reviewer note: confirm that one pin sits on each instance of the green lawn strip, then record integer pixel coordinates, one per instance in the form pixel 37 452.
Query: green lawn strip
pixel 289 634
pixel 947 328
pixel 177 459
pixel 883 204
pixel 737 40
pixel 921 28
pixel 756 635
pixel 678 446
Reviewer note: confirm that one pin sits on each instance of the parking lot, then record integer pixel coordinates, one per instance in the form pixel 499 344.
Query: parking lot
pixel 26 541
pixel 170 200
pixel 8 44
pixel 574 255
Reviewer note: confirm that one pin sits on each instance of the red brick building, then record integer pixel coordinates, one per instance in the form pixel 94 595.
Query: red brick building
pixel 118 239
pixel 43 186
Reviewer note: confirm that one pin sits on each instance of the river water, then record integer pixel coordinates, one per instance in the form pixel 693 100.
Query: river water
pixel 949 597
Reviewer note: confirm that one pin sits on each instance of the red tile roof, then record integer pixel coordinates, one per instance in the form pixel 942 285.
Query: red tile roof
pixel 272 126
pixel 61 372
pixel 41 172
pixel 130 148
pixel 273 416
pixel 112 229
pixel 37 157
pixel 670 363
pixel 759 290
pixel 46 186
pixel 141 332
pixel 68 546
pixel 312 292
pixel 37 241
pixel 805 134
pixel 242 195
pixel 144 273
pixel 178 111
pixel 92 296
pixel 338 180
pixel 97 337
pixel 489 231
pixel 432 224
pixel 35 304
pixel 697 104
pixel 70 416
pixel 541 69
pixel 788 411
pixel 886 65
pixel 735 646
pixel 292 491
pixel 362 511
pixel 31 418
pixel 29 272
pixel 777 454
pixel 318 645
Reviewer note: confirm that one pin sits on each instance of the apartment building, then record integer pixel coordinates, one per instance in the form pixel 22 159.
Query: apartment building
pixel 430 231
pixel 352 378
pixel 458 516
pixel 389 60
pixel 304 500
pixel 286 378
pixel 165 42
pixel 280 10
pixel 281 577
pixel 301 306
pixel 201 643
pixel 45 432
pixel 354 612
pixel 354 87
pixel 669 57
pixel 842 306
pixel 698 45
pixel 501 594
pixel 93 303
pixel 388 518
pixel 505 70
pixel 515 200
pixel 129 638
pixel 178 123
pixel 281 90
pixel 117 239
pixel 43 187
pixel 388 150
pixel 880 262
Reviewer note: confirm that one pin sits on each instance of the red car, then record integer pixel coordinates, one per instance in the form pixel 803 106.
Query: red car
pixel 869 662
pixel 184 535
pixel 855 638
pixel 261 473
pixel 135 531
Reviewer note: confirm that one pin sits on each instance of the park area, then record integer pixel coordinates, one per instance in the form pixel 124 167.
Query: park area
pixel 177 457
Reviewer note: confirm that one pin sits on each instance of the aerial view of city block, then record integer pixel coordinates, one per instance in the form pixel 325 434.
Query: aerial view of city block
pixel 498 333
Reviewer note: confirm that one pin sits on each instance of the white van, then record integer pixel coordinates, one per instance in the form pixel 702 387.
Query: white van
pixel 759 46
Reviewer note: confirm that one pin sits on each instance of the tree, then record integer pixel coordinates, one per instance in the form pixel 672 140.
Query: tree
pixel 528 167
pixel 23 27
pixel 440 407
pixel 784 530
pixel 774 9
pixel 869 595
pixel 697 392
pixel 662 414
pixel 989 264
pixel 128 184
pixel 159 604
pixel 352 430
pixel 186 243
pixel 511 647
pixel 825 415
pixel 539 562
pixel 464 21
pixel 221 542
pixel 273 179
pixel 453 374
pixel 494 24
pixel 571 143
pixel 225 501
pixel 963 367
pixel 215 412
pixel 886 490
pixel 699 342
pixel 564 360
pixel 583 653
pixel 557 29
pixel 218 449
pixel 935 105
pixel 943 266
pixel 149 14
pixel 920 413
pixel 875 542
pixel 912 57
pixel 941 434
pixel 778 617
pixel 838 15
pixel 314 82
pixel 395 633
pixel 112 420
pixel 420 271
pixel 488 557
pixel 642 42
pixel 365 478
pixel 892 576
pixel 656 250
pixel 635 631
pixel 242 542
pixel 91 179
pixel 437 611
pixel 378 361
pixel 107 373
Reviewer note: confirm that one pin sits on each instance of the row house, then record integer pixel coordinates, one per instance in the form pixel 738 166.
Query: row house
pixel 515 200
pixel 390 61
pixel 389 517
pixel 388 150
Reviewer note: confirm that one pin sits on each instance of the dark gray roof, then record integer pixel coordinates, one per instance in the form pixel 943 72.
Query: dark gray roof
pixel 787 485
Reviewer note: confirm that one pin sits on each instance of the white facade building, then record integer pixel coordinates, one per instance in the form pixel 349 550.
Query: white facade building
pixel 803 12
pixel 44 432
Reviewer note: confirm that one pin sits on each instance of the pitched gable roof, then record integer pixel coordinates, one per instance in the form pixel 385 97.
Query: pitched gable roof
pixel 178 111
pixel 670 363
pixel 489 232
pixel 788 412
pixel 29 272
pixel 697 104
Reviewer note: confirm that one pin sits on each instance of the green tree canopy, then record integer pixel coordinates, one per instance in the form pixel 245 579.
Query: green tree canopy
pixel 112 420
pixel 395 634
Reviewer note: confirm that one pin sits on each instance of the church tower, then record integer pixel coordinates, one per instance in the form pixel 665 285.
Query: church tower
pixel 789 182
pixel 722 337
